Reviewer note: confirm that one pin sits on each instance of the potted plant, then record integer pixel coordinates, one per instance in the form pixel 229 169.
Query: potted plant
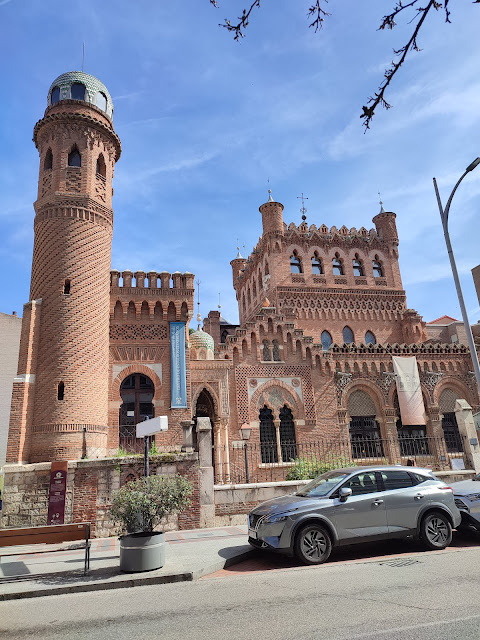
pixel 139 507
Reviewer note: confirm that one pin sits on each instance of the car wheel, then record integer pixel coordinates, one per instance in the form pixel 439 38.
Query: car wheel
pixel 436 530
pixel 312 544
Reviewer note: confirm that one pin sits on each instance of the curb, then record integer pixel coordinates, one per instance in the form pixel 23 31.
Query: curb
pixel 126 581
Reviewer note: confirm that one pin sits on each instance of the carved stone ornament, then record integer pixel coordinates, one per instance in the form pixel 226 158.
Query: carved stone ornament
pixel 342 380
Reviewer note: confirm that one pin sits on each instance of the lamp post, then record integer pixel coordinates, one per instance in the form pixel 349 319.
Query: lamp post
pixel 444 216
pixel 246 430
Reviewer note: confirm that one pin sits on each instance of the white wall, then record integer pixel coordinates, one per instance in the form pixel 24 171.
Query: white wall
pixel 10 327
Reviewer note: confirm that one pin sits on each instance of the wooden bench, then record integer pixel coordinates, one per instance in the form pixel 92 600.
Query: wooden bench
pixel 49 535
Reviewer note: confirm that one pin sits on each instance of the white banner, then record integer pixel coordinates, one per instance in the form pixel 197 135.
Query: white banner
pixel 409 391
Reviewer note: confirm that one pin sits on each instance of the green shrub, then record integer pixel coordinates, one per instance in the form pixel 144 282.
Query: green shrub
pixel 142 504
pixel 308 468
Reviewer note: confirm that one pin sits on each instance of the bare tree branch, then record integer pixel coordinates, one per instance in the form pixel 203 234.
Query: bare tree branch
pixel 320 15
pixel 388 22
pixel 317 13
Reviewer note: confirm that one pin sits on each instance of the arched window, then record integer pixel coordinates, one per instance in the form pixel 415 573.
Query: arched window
pixel 317 266
pixel 377 268
pixel 357 267
pixel 326 340
pixel 101 101
pixel 254 289
pixel 48 162
pixel 268 436
pixel 101 167
pixel 364 428
pixel 267 271
pixel 55 97
pixel 288 442
pixel 61 391
pixel 266 351
pixel 337 265
pixel 224 336
pixel 77 91
pixel 370 338
pixel 348 337
pixel 137 393
pixel 74 158
pixel 276 351
pixel 131 311
pixel 249 300
pixel 295 263
pixel 66 287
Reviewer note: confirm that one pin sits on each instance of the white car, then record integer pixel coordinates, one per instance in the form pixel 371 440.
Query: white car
pixel 467 499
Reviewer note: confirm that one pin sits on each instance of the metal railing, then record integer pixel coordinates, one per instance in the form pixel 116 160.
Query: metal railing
pixel 272 462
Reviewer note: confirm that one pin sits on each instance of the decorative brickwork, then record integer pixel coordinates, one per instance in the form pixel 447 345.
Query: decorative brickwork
pixel 138 332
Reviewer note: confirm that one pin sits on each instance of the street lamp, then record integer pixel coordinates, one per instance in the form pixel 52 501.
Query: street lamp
pixel 444 216
pixel 246 431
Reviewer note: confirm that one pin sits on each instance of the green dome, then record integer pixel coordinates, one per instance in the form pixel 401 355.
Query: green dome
pixel 95 91
pixel 199 339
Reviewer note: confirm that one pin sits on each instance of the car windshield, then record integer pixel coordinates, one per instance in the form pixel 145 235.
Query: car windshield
pixel 322 485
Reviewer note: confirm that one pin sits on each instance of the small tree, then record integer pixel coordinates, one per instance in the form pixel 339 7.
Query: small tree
pixel 142 504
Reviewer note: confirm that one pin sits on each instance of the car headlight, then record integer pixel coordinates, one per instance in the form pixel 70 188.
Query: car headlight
pixel 273 519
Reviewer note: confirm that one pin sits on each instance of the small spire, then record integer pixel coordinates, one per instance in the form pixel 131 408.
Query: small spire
pixel 270 199
pixel 219 305
pixel 239 255
pixel 303 210
pixel 382 210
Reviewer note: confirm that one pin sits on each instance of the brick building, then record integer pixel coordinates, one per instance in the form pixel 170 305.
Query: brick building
pixel 322 313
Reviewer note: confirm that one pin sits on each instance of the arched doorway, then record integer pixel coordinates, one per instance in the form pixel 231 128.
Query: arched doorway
pixel 137 393
pixel 205 408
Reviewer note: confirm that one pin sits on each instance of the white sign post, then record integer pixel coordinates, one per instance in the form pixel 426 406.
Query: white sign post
pixel 150 428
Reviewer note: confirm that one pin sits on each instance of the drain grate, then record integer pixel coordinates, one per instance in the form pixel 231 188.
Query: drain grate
pixel 400 562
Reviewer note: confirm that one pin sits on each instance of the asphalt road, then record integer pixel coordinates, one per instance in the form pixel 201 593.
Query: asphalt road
pixel 427 596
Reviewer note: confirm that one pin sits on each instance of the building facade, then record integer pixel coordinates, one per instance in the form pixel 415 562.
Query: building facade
pixel 322 315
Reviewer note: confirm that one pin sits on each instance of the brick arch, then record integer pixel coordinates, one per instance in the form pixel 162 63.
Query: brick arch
pixel 362 384
pixel 297 407
pixel 453 383
pixel 135 368
pixel 213 395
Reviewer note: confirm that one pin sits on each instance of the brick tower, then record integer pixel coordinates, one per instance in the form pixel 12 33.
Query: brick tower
pixel 60 397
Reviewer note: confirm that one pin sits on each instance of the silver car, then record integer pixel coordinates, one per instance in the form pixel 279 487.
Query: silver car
pixel 467 499
pixel 358 504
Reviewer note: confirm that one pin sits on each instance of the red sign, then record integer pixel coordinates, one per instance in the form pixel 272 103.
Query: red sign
pixel 57 493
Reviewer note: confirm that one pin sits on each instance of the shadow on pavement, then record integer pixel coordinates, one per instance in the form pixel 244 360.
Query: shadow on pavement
pixel 267 561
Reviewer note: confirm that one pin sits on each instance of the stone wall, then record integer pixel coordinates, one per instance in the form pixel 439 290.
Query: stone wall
pixel 90 485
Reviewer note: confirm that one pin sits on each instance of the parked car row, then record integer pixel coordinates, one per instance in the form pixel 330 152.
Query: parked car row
pixel 354 505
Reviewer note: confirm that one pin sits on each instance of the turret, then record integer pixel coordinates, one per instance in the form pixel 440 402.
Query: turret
pixel 66 415
pixel 272 216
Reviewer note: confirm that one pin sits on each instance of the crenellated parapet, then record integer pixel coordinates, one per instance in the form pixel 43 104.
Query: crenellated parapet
pixel 151 297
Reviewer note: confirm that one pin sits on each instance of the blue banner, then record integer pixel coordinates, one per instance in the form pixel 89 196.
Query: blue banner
pixel 178 372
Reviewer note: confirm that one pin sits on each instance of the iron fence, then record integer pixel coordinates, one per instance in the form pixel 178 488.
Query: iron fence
pixel 273 462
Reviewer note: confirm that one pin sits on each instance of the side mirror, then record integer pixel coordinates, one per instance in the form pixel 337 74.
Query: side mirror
pixel 344 493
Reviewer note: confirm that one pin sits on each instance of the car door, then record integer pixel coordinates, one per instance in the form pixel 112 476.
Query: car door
pixel 404 497
pixel 363 514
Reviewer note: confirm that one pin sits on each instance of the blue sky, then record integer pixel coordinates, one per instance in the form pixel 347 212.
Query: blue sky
pixel 205 122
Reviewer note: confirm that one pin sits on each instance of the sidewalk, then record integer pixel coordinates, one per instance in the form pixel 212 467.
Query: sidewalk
pixel 40 570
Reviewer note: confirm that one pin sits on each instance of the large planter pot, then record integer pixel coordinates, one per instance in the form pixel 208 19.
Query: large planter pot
pixel 142 552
